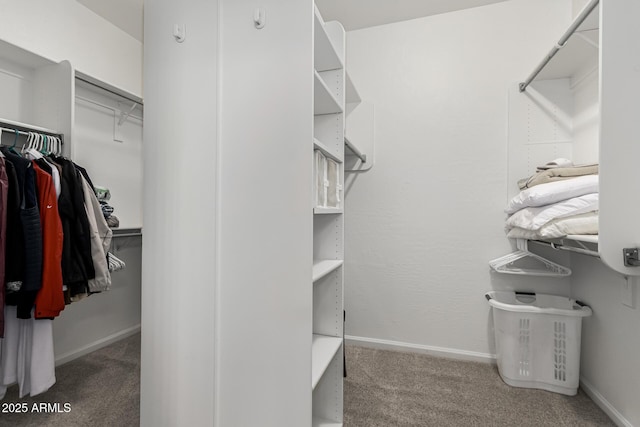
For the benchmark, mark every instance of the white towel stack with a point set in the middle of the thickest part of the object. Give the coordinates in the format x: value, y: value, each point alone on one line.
x: 555, y: 209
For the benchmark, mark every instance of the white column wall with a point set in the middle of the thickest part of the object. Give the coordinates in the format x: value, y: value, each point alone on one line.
x: 423, y: 223
x: 179, y: 253
x: 264, y: 311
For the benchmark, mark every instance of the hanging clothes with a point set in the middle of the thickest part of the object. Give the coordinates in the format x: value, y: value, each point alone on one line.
x: 25, y: 296
x: 4, y: 193
x: 50, y: 300
x: 77, y: 263
x: 14, y: 258
x: 101, y: 236
x: 26, y: 354
x: 53, y: 234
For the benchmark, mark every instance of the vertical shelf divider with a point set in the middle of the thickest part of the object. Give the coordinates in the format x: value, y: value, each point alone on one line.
x: 328, y: 228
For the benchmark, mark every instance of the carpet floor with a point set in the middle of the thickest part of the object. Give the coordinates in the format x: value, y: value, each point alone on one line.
x: 383, y: 389
x: 102, y: 389
x: 389, y: 388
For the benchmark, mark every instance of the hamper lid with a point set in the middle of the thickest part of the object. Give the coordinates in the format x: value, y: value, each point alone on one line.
x: 530, y: 302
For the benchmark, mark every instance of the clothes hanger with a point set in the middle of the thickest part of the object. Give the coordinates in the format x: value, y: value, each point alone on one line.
x: 55, y: 145
x: 36, y: 144
x: 12, y: 149
x: 523, y: 262
x: 27, y: 144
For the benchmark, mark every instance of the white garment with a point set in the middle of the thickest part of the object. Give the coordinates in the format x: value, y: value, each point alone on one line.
x: 55, y: 173
x: 26, y: 354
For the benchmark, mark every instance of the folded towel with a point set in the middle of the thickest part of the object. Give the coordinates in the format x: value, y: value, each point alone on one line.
x: 107, y: 210
x: 557, y: 174
x: 113, y: 221
x: 585, y: 223
x: 102, y: 193
x: 533, y: 218
x: 553, y: 192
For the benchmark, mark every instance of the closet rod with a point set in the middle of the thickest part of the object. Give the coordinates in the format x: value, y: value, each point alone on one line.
x: 355, y: 150
x: 113, y: 236
x: 126, y: 232
x: 565, y: 37
x: 568, y: 248
x: 121, y: 95
x: 24, y: 129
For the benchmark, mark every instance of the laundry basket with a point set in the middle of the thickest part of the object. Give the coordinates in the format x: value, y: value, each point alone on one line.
x: 538, y: 340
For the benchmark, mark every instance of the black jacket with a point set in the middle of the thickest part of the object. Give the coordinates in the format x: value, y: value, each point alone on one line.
x: 32, y: 233
x: 77, y: 264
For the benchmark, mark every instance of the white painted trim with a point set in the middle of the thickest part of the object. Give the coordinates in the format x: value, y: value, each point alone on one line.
x: 449, y: 353
x: 604, y: 404
x: 96, y: 345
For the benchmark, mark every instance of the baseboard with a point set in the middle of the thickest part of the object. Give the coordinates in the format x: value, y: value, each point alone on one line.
x: 449, y: 353
x: 96, y: 345
x: 604, y: 404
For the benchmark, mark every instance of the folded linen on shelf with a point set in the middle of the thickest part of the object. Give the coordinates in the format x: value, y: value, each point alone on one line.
x: 556, y: 174
x: 533, y: 218
x: 553, y: 192
x: 585, y: 223
x: 560, y: 162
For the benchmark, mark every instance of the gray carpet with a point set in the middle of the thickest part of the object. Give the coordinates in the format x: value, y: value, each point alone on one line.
x: 383, y: 388
x: 388, y: 388
x: 103, y: 389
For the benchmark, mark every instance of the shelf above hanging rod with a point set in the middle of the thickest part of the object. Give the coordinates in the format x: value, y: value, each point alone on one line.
x: 561, y: 43
x: 108, y: 88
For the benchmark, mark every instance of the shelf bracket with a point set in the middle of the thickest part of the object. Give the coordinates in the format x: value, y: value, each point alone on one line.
x: 124, y: 116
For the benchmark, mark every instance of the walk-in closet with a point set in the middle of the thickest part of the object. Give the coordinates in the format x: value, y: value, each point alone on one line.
x: 319, y: 213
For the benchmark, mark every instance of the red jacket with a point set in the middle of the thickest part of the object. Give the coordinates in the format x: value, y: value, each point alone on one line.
x: 50, y: 299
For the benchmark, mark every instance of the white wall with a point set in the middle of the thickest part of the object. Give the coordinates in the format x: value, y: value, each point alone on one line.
x: 101, y: 143
x: 423, y: 223
x: 94, y: 322
x: 610, y: 339
x: 65, y: 30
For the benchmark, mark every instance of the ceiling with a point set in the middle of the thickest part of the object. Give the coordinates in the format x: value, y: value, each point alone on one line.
x: 125, y: 14
x: 356, y: 14
x: 353, y: 14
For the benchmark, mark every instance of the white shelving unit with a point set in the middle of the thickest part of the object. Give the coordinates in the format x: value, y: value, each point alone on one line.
x: 325, y: 100
x: 328, y: 152
x: 36, y: 93
x: 328, y: 227
x: 323, y: 267
x: 582, y: 102
x: 323, y: 350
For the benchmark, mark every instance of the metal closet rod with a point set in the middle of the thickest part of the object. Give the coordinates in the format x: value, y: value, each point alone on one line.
x: 121, y: 95
x: 126, y: 232
x: 568, y: 248
x: 25, y: 130
x: 565, y: 37
x: 355, y: 151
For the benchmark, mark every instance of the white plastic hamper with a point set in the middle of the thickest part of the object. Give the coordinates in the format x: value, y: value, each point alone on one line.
x: 538, y: 340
